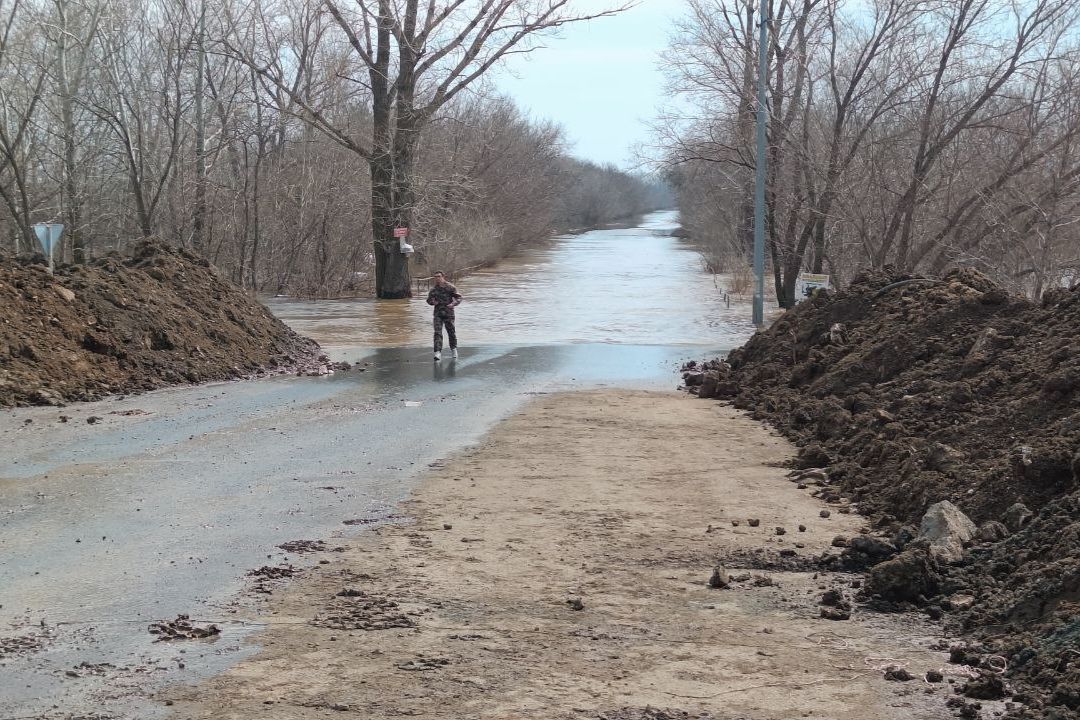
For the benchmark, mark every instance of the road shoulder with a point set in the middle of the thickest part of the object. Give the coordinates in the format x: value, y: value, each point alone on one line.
x: 560, y: 568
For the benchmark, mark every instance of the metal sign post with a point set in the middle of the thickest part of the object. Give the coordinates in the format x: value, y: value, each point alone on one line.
x: 759, y: 166
x: 48, y: 234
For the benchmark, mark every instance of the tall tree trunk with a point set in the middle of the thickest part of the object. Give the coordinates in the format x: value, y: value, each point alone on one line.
x: 67, y: 116
x: 747, y: 118
x: 198, y: 223
x: 390, y: 265
x: 397, y: 282
x: 253, y: 269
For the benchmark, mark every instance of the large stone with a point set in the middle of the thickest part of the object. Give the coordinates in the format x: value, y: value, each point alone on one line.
x: 992, y: 531
x: 64, y: 293
x: 947, y: 530
x: 873, y: 547
x: 720, y: 578
x: 981, y: 351
x: 1017, y: 516
x: 906, y: 577
x: 693, y: 378
x: 709, y: 384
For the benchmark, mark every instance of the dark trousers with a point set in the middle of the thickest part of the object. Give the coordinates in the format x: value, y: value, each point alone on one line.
x: 444, y: 317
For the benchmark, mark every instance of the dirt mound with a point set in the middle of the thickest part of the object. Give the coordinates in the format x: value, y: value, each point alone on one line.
x: 122, y: 325
x: 907, y: 392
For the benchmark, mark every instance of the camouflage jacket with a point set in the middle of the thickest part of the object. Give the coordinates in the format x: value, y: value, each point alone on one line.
x: 444, y: 297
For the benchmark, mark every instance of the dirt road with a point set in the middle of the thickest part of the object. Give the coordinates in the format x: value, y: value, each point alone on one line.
x: 559, y: 569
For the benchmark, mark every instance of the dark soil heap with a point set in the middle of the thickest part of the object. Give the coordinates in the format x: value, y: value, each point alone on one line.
x: 122, y: 325
x: 909, y: 392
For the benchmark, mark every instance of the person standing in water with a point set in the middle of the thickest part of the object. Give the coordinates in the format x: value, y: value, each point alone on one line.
x: 444, y: 297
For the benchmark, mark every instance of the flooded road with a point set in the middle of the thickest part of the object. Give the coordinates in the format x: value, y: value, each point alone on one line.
x: 163, y: 505
x: 638, y: 286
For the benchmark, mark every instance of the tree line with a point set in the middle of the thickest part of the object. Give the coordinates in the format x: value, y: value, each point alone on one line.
x: 914, y: 133
x: 286, y: 139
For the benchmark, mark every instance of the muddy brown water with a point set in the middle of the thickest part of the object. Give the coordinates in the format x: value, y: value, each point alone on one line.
x: 636, y: 286
x: 163, y: 506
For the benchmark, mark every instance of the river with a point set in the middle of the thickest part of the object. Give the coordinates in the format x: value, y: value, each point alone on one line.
x: 636, y: 286
x: 164, y: 505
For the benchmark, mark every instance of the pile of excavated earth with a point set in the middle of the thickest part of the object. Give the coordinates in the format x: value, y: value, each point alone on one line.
x: 948, y: 412
x: 127, y: 324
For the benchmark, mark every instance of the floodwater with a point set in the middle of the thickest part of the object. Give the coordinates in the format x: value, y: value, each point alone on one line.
x: 637, y: 286
x: 164, y: 505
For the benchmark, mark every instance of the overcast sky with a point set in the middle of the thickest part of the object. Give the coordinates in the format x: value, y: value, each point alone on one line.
x: 599, y: 79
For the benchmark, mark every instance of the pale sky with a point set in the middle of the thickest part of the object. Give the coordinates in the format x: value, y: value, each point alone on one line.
x: 599, y: 80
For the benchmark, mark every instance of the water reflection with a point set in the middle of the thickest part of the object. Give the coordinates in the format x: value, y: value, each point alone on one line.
x: 444, y: 370
x: 636, y: 286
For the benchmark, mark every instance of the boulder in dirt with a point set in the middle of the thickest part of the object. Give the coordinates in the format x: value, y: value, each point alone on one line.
x: 907, y: 576
x: 812, y: 456
x: 883, y: 416
x: 895, y: 673
x: 988, y: 686
x: 64, y: 293
x: 1017, y: 516
x: 720, y: 578
x: 981, y: 350
x: 46, y: 397
x: 832, y: 613
x: 835, y: 598
x: 902, y: 537
x: 872, y: 547
x: 947, y: 530
x: 962, y: 601
x: 992, y: 531
x: 709, y: 384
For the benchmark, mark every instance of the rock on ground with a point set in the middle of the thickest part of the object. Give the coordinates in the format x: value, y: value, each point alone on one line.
x: 947, y: 530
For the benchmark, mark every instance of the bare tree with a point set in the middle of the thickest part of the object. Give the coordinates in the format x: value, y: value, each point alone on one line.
x: 74, y: 32
x: 247, y: 135
x: 28, y: 69
x: 143, y: 101
x: 417, y: 59
x: 907, y: 132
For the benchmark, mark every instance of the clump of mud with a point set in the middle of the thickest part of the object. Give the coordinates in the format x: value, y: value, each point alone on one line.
x: 651, y: 713
x: 20, y: 644
x: 121, y: 325
x: 182, y: 628
x: 907, y: 392
x: 353, y: 609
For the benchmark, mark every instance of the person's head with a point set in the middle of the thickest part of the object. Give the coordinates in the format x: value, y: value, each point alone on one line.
x: 440, y: 279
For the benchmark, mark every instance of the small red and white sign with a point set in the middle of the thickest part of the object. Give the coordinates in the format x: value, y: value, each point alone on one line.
x: 402, y: 232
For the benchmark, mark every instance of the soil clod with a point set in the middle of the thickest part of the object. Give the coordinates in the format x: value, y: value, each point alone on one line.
x: 182, y: 628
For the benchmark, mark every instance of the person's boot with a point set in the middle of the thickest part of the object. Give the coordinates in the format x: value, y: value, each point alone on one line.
x: 453, y: 353
x: 438, y: 355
